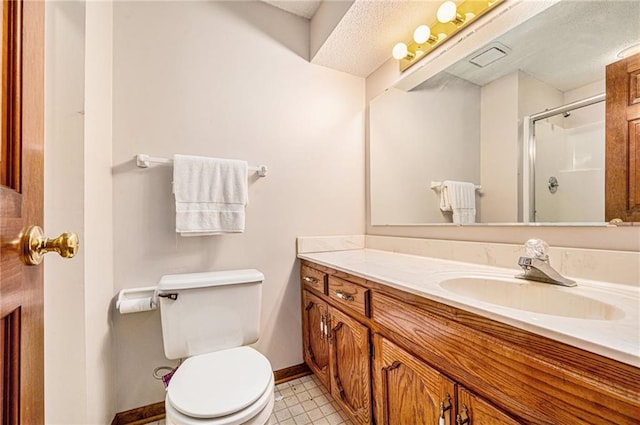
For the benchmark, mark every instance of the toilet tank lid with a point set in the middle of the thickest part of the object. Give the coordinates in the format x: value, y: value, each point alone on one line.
x: 201, y: 280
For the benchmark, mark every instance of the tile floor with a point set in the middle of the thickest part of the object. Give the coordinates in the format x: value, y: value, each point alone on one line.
x: 303, y: 401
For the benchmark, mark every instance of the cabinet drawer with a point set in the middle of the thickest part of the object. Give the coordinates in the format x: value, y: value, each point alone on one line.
x: 349, y: 295
x: 314, y: 279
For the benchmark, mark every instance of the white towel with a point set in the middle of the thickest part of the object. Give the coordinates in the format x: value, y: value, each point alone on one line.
x: 459, y: 197
x: 211, y: 195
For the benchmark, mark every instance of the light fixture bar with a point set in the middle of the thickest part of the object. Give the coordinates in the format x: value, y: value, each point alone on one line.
x: 457, y: 17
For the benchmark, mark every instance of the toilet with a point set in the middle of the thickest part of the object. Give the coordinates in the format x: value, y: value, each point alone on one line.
x: 208, y: 319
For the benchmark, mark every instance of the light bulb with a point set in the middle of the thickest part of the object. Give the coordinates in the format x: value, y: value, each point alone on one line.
x: 400, y: 51
x: 421, y: 34
x: 447, y: 12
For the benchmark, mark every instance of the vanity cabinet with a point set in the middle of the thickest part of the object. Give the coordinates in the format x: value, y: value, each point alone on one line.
x: 336, y: 346
x: 408, y: 391
x: 430, y: 361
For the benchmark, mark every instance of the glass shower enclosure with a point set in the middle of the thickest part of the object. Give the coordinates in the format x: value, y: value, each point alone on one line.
x: 564, y: 163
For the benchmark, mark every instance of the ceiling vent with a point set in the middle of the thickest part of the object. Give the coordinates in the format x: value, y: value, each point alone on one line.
x: 490, y: 54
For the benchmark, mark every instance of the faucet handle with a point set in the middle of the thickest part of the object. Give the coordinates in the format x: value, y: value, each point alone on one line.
x: 537, y: 248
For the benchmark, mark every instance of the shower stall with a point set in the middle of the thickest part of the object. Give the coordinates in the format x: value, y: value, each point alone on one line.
x: 564, y: 161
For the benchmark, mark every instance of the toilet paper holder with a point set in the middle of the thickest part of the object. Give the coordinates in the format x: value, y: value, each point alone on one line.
x: 135, y: 300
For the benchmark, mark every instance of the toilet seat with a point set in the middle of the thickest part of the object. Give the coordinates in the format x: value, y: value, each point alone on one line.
x: 253, y: 415
x: 224, y: 387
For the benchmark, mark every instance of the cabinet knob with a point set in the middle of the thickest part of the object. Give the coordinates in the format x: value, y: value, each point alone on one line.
x: 344, y: 296
x: 311, y: 280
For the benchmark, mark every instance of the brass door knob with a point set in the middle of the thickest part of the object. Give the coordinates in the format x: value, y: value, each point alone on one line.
x: 33, y: 245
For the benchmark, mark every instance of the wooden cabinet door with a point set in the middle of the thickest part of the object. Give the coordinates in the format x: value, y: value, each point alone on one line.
x: 622, y: 168
x: 407, y: 390
x: 315, y: 336
x: 350, y: 366
x: 479, y: 411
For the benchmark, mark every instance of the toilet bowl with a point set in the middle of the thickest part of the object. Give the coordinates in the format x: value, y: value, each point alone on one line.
x: 229, y: 387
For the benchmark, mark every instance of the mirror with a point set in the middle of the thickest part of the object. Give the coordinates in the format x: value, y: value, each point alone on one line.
x: 468, y: 124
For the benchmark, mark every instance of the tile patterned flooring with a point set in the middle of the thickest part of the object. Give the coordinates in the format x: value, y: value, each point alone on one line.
x: 305, y: 401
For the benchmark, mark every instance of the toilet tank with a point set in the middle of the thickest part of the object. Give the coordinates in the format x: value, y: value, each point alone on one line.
x: 207, y: 312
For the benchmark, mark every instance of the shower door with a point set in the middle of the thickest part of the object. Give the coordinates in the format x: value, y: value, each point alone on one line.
x: 568, y: 163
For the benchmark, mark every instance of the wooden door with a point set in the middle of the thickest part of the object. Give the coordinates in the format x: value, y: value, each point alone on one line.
x: 350, y: 366
x: 21, y: 197
x: 622, y: 172
x: 407, y: 390
x: 478, y: 411
x: 315, y: 336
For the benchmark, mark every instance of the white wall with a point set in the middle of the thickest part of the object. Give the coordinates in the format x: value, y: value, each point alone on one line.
x: 98, y: 240
x: 430, y: 133
x: 78, y: 357
x: 223, y: 79
x: 499, y: 152
x: 65, y: 354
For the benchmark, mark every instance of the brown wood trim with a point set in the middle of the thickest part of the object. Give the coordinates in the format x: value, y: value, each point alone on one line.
x: 155, y: 412
x: 11, y: 108
x: 140, y: 415
x: 290, y: 373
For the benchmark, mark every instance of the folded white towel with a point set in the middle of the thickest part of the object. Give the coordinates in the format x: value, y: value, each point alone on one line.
x: 211, y: 195
x: 459, y: 197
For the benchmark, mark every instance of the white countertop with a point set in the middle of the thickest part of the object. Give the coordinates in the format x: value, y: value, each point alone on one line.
x: 617, y: 339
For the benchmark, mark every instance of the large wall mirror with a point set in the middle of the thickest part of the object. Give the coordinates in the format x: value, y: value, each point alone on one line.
x: 469, y: 124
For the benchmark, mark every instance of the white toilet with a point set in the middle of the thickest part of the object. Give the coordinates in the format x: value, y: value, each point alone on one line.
x: 209, y: 318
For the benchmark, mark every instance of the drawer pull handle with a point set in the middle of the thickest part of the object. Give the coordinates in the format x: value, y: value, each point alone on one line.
x: 344, y: 296
x: 311, y: 280
x: 466, y: 420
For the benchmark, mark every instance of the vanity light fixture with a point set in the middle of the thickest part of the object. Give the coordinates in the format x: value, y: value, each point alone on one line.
x: 450, y: 19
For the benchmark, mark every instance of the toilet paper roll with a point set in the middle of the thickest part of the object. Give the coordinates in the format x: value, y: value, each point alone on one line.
x: 135, y: 305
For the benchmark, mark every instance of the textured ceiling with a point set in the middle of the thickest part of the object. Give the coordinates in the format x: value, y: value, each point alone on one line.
x: 362, y: 41
x: 558, y: 47
x: 303, y: 8
x: 565, y: 46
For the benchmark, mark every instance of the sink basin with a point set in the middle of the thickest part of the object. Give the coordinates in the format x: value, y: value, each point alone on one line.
x: 533, y: 297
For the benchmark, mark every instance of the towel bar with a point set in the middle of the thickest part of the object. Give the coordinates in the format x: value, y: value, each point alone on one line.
x: 438, y: 185
x: 143, y: 160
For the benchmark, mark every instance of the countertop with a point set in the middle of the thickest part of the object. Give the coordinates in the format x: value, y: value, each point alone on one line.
x: 617, y: 339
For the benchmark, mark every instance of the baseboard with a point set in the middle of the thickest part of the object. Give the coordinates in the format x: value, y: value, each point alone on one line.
x: 140, y: 415
x: 291, y: 373
x: 155, y: 412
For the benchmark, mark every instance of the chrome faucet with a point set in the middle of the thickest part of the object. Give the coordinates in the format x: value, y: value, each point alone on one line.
x: 536, y: 265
